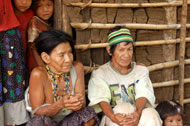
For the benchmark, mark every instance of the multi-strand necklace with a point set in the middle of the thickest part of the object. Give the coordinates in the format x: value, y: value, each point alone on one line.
x: 55, y: 86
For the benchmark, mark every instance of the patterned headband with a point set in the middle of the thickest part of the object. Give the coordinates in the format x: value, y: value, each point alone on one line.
x: 121, y: 35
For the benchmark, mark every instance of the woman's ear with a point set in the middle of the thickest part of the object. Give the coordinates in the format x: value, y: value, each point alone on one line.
x: 108, y: 50
x: 45, y: 57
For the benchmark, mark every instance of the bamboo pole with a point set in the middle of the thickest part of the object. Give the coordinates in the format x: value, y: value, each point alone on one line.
x: 137, y: 43
x: 127, y: 5
x: 166, y: 65
x: 151, y: 68
x: 130, y: 26
x: 57, y: 14
x: 169, y: 83
x: 185, y: 101
x: 182, y: 51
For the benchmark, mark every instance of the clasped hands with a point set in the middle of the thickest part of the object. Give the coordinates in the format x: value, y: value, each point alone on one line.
x: 126, y: 120
x: 73, y: 102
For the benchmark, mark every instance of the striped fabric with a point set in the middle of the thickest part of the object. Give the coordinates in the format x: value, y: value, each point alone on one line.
x: 121, y: 35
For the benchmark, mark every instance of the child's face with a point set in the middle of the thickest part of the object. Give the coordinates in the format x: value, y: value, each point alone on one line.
x: 45, y: 9
x: 22, y: 5
x: 175, y: 120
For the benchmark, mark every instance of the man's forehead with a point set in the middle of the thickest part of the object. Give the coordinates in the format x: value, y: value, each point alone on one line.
x: 124, y: 45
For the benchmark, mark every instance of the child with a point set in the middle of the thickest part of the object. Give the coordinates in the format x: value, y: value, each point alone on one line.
x: 24, y: 14
x: 170, y: 113
x: 12, y: 105
x: 41, y: 22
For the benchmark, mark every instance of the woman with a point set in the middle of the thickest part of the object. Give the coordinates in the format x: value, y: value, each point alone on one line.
x: 12, y: 68
x: 58, y: 90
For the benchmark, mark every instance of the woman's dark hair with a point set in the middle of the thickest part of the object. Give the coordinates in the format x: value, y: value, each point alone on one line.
x: 48, y: 40
x: 169, y: 108
x: 35, y: 6
x: 112, y: 48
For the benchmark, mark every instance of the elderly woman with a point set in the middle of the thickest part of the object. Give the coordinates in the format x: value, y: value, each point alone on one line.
x: 57, y: 91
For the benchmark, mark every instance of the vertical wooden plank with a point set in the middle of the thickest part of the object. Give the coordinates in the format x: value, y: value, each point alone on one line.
x: 182, y: 50
x: 57, y: 14
x: 65, y: 20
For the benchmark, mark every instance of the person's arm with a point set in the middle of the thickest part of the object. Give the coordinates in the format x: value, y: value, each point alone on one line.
x: 80, y: 86
x: 37, y: 95
x: 37, y: 57
x: 33, y: 33
x: 140, y: 104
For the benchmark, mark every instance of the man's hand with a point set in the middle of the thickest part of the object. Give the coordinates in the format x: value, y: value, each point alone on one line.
x: 131, y: 120
x: 117, y: 118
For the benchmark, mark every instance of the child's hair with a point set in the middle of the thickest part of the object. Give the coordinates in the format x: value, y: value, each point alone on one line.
x: 48, y: 40
x: 169, y: 108
x: 35, y: 7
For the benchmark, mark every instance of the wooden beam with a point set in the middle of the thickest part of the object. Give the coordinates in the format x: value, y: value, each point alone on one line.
x: 127, y: 5
x: 185, y: 101
x: 130, y: 26
x: 57, y: 14
x: 182, y: 51
x: 151, y: 68
x: 169, y: 83
x: 137, y: 43
x: 66, y: 27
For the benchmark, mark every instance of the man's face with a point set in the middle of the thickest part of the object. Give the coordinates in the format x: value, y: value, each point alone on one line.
x: 122, y: 55
x: 175, y: 120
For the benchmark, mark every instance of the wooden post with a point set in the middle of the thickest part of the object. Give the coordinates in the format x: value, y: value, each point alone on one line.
x: 182, y: 51
x: 57, y: 14
x: 66, y: 27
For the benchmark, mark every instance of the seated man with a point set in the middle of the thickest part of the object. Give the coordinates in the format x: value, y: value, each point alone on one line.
x: 58, y: 90
x: 120, y: 83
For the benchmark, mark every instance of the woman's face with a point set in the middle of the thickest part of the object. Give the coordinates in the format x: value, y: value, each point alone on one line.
x: 175, y: 120
x: 45, y: 9
x: 22, y: 5
x: 61, y: 58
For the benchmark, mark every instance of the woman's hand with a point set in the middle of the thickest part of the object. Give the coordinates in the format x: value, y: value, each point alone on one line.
x: 72, y: 102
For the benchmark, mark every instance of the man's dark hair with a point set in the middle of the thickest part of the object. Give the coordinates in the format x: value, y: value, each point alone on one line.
x: 112, y: 48
x: 48, y: 40
x: 169, y: 108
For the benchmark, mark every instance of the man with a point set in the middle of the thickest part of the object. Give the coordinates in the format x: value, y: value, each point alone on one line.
x: 123, y: 84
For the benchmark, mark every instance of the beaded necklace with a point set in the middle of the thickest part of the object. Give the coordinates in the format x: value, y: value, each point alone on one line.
x: 55, y: 87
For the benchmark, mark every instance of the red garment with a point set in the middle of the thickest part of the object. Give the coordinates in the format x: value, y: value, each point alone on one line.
x: 24, y: 20
x: 8, y: 19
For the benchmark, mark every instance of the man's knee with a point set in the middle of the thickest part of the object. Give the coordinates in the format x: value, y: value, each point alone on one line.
x: 124, y: 108
x: 150, y: 117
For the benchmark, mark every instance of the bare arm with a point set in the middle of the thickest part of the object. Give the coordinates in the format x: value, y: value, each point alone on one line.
x: 140, y: 104
x: 37, y: 95
x: 80, y: 86
x: 37, y: 57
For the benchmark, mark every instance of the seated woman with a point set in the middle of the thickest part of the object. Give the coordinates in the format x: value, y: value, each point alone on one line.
x: 57, y: 91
